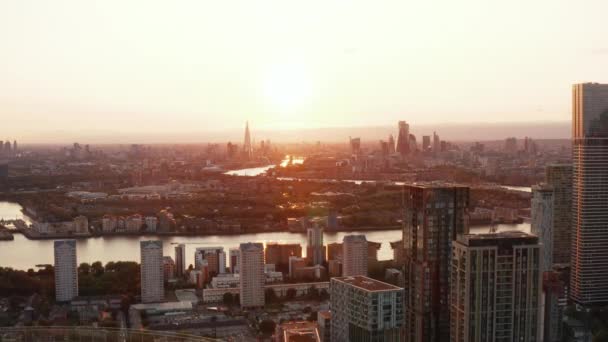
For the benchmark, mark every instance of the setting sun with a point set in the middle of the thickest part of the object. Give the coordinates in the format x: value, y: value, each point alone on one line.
x: 287, y: 86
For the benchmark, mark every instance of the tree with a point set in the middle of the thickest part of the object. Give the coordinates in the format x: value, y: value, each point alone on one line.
x: 291, y: 293
x: 97, y: 268
x: 323, y: 294
x: 228, y: 298
x: 84, y: 268
x: 312, y: 317
x: 267, y: 327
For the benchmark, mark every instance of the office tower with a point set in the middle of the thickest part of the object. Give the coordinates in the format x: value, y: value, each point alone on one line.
x: 235, y: 259
x: 354, y: 255
x: 315, y: 251
x: 355, y: 145
x: 252, y: 275
x: 403, y: 139
x: 391, y: 144
x: 364, y: 309
x: 14, y: 145
x: 436, y: 143
x: 247, y: 147
x: 215, y: 256
x: 559, y: 177
x: 7, y: 147
x: 589, y: 264
x: 496, y: 288
x: 434, y: 215
x: 412, y: 143
x: 279, y: 254
x: 180, y: 259
x: 66, y: 270
x: 384, y: 149
x: 426, y: 143
x: 542, y: 221
x: 151, y: 254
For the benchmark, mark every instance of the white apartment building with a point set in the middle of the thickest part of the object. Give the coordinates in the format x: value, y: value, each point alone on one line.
x: 66, y: 270
x: 152, y: 287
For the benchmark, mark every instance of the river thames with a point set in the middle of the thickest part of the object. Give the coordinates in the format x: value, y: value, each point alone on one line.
x: 22, y: 253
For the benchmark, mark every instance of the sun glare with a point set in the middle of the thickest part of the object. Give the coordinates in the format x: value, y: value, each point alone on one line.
x: 287, y: 86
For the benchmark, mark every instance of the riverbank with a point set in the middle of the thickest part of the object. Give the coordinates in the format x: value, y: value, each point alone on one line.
x: 34, y: 235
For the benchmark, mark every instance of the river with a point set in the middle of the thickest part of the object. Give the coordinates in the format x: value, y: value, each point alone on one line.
x: 23, y: 253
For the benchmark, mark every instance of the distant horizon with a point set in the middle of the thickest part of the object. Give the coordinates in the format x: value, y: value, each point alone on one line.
x: 456, y: 132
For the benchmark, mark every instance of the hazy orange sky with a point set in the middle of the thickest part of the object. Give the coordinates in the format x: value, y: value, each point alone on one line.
x: 158, y: 66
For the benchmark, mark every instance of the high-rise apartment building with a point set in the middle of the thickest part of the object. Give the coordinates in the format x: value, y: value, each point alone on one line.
x: 542, y: 221
x: 589, y: 263
x: 252, y: 275
x: 364, y: 309
x: 234, y: 256
x: 403, y: 139
x: 180, y: 259
x: 315, y: 251
x: 66, y: 270
x: 279, y: 254
x: 354, y: 255
x: 559, y: 177
x: 215, y: 256
x: 152, y: 287
x: 434, y: 215
x: 496, y: 282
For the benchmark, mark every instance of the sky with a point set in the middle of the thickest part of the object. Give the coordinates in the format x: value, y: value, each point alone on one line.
x: 145, y: 67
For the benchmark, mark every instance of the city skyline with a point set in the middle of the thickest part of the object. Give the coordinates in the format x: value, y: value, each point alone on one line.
x: 291, y: 69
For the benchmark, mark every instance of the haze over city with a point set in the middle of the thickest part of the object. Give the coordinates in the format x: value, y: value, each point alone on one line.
x: 138, y: 68
x: 319, y: 171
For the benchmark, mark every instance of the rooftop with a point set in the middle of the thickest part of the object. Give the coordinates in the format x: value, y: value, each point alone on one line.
x: 511, y: 237
x: 367, y: 284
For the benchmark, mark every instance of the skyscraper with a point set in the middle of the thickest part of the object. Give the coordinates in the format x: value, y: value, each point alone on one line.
x: 247, y: 148
x: 559, y: 177
x: 391, y: 144
x: 403, y: 139
x: 151, y: 255
x: 66, y: 270
x: 315, y: 251
x: 434, y: 215
x: 354, y: 255
x: 589, y: 264
x: 364, y: 309
x: 426, y: 143
x: 542, y: 221
x: 180, y: 260
x: 252, y: 275
x: 496, y: 284
x: 436, y: 143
